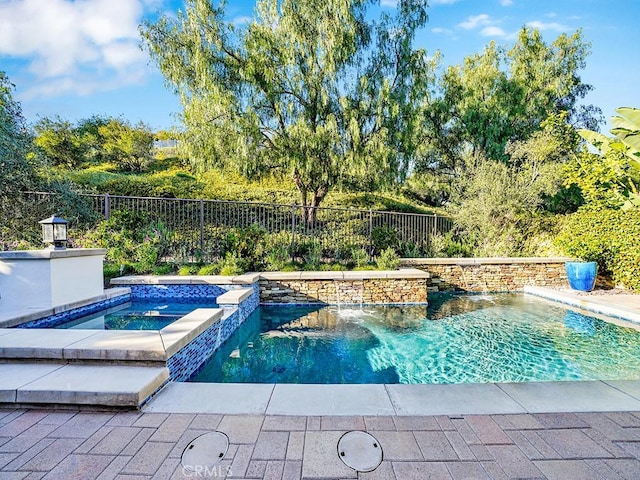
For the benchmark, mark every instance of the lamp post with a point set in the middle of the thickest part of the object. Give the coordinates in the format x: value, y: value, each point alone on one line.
x: 54, y: 232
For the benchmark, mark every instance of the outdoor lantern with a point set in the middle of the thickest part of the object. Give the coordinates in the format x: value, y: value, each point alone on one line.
x: 54, y: 232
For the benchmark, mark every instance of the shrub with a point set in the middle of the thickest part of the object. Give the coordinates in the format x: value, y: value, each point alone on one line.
x: 166, y: 269
x: 188, y: 270
x: 110, y: 271
x: 384, y: 238
x: 230, y: 265
x: 130, y: 239
x: 313, y: 255
x: 276, y: 251
x: 245, y: 245
x: 360, y: 257
x: 212, y: 269
x: 388, y: 259
x: 608, y: 236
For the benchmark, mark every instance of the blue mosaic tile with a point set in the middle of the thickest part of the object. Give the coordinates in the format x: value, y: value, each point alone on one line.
x: 182, y: 291
x: 191, y: 358
x: 59, y: 318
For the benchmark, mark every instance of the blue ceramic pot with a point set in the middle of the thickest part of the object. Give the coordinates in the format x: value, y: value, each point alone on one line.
x: 581, y: 275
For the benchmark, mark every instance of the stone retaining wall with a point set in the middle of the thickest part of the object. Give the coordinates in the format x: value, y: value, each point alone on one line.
x: 405, y: 286
x: 491, y: 274
x: 410, y: 285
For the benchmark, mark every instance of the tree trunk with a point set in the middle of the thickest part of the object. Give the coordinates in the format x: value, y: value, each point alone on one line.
x: 311, y: 211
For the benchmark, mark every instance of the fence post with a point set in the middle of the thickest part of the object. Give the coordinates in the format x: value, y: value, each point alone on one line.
x: 202, y: 227
x: 293, y: 230
x: 370, y: 233
x: 107, y: 207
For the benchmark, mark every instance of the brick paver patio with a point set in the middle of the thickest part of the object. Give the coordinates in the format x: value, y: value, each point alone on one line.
x: 58, y: 444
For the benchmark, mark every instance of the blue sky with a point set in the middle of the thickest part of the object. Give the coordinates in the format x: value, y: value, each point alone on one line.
x: 77, y: 58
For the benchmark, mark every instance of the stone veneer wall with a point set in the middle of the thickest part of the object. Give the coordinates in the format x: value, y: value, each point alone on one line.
x: 491, y: 274
x: 352, y: 288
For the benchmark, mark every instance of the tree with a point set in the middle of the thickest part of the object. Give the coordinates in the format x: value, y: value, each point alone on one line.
x: 313, y: 89
x: 501, y: 96
x: 95, y: 139
x: 501, y: 207
x: 131, y: 148
x: 611, y: 178
x: 16, y: 173
x: 60, y: 142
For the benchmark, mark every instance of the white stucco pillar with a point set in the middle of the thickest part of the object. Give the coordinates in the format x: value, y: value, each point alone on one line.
x: 34, y: 279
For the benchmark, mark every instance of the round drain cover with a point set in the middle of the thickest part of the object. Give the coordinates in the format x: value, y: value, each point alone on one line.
x: 360, y: 451
x: 205, y: 451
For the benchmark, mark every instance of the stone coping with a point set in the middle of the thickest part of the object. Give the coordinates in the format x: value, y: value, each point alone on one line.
x: 13, y: 318
x: 397, y: 399
x: 234, y: 297
x: 403, y: 273
x: 110, y: 345
x: 51, y: 384
x: 50, y: 253
x: 484, y: 260
x: 622, y: 306
x: 246, y: 279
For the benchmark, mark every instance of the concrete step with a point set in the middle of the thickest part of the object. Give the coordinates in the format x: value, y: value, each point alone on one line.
x: 64, y: 384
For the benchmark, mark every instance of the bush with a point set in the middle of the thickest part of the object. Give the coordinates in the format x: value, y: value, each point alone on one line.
x: 360, y: 257
x: 245, y: 245
x: 313, y: 255
x: 189, y: 269
x: 165, y: 269
x: 500, y: 208
x: 608, y: 236
x: 130, y: 239
x: 276, y: 251
x: 388, y: 260
x: 384, y: 238
x: 212, y: 269
x: 230, y: 265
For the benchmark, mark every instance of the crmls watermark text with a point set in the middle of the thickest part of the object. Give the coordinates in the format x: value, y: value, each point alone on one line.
x: 203, y: 471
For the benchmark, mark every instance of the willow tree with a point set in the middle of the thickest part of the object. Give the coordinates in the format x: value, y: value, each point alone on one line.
x: 316, y: 90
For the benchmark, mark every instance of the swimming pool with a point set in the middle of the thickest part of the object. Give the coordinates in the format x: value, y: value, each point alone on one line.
x: 148, y: 314
x: 456, y: 339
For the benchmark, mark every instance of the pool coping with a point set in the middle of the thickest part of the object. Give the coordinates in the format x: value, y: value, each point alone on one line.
x: 396, y: 399
x: 37, y: 344
x: 624, y: 309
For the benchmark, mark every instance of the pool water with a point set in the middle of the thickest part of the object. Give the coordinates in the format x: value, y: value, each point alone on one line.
x: 456, y: 339
x: 138, y: 315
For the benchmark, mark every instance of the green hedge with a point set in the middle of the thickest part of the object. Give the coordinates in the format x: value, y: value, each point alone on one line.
x: 608, y: 236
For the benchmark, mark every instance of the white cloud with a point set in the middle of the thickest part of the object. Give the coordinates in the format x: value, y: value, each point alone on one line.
x: 476, y: 21
x: 506, y: 3
x: 242, y: 20
x: 394, y: 3
x: 63, y: 41
x: 557, y: 27
x: 493, y: 31
x: 439, y: 30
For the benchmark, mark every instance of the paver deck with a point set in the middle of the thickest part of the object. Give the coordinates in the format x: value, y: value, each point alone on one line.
x: 49, y: 444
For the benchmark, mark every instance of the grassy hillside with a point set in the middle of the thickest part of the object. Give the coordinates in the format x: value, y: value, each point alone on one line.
x: 171, y: 178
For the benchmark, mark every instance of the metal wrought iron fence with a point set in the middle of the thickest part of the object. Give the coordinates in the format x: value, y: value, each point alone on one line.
x: 193, y: 228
